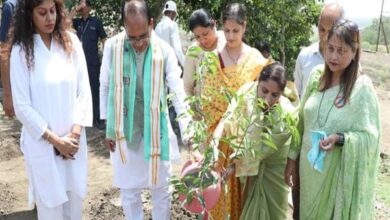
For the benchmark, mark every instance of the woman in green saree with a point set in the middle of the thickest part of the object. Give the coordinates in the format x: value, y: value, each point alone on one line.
x: 262, y: 172
x: 341, y: 103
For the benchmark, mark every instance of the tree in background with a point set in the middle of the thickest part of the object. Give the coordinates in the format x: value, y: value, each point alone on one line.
x: 370, y: 33
x: 285, y: 24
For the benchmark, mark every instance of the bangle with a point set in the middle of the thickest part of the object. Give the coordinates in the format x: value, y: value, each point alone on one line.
x: 341, y: 140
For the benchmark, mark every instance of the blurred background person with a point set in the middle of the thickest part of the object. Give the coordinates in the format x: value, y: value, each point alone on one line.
x: 90, y: 31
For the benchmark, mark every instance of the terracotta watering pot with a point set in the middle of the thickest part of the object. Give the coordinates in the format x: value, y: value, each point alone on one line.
x: 210, y: 194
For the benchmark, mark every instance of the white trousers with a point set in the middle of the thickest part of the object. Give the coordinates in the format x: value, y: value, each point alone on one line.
x: 132, y: 203
x: 70, y: 210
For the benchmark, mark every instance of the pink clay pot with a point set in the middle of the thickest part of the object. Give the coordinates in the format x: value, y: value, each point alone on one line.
x: 210, y: 194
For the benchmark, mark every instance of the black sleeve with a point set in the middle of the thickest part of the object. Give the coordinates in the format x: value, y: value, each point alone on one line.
x: 101, y: 32
x: 6, y: 16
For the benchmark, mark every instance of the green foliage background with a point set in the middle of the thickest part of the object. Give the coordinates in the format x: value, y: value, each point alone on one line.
x: 286, y: 24
x: 370, y: 33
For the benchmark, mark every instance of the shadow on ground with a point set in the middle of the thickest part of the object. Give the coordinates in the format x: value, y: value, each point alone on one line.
x: 26, y: 214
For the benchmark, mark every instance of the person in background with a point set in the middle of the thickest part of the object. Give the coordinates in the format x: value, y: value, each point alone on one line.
x: 137, y: 68
x: 309, y: 58
x: 6, y: 17
x: 312, y: 56
x: 90, y: 31
x: 340, y: 127
x: 264, y: 49
x: 168, y: 30
x: 52, y: 100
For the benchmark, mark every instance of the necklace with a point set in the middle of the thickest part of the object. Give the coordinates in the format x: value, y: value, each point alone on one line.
x: 321, y: 123
x: 235, y: 60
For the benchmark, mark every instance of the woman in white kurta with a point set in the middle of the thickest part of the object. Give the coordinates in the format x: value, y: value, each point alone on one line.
x: 52, y: 100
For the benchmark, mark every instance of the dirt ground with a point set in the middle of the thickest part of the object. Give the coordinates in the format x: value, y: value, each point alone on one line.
x: 102, y: 201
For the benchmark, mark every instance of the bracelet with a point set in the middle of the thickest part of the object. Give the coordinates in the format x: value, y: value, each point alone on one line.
x: 341, y: 140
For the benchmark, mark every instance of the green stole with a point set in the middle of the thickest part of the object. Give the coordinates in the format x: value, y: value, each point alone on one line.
x: 121, y: 99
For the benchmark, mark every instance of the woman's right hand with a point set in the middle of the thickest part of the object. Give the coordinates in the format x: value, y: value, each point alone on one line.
x: 67, y: 146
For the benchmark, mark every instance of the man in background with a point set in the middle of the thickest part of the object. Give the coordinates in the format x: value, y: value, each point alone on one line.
x: 90, y: 30
x: 168, y: 30
x: 312, y: 56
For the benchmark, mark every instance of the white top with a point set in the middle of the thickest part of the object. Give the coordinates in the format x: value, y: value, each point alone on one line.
x: 168, y: 30
x: 308, y: 58
x: 135, y: 173
x: 54, y: 94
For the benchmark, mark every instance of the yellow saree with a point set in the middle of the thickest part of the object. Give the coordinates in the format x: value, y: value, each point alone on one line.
x: 215, y: 81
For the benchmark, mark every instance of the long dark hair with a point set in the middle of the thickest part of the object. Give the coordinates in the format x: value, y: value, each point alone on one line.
x: 23, y: 29
x: 348, y: 32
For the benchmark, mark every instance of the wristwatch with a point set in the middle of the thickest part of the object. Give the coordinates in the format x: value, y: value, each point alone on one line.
x: 341, y: 140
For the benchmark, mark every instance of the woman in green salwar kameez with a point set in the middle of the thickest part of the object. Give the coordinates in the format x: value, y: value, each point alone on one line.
x: 341, y: 102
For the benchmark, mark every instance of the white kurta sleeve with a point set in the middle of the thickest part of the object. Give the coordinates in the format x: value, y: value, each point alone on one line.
x: 32, y: 121
x: 176, y: 43
x: 298, y: 76
x: 105, y: 78
x: 176, y: 86
x: 83, y: 113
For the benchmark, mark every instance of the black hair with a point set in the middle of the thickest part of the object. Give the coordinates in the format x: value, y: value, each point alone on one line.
x: 137, y: 7
x: 235, y: 11
x: 22, y: 30
x: 275, y: 72
x: 263, y: 46
x: 87, y: 3
x: 200, y: 17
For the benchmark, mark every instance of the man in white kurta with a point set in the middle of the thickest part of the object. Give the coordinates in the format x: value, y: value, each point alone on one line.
x: 168, y: 30
x: 53, y: 95
x: 132, y: 170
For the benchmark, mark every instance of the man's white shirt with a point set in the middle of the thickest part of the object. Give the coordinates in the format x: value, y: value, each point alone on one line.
x: 308, y: 58
x: 168, y: 30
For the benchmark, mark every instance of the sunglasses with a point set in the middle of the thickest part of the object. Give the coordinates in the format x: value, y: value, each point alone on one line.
x: 350, y: 25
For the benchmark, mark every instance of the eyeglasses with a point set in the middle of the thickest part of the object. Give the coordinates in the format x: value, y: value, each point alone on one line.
x: 141, y: 38
x: 350, y: 25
